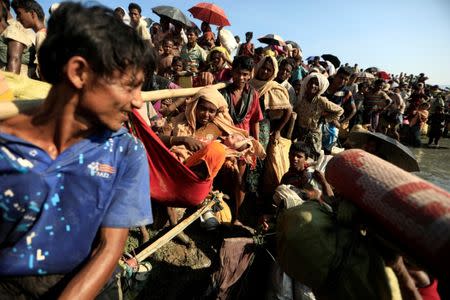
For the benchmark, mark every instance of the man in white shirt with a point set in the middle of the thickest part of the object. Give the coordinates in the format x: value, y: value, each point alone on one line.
x: 138, y: 23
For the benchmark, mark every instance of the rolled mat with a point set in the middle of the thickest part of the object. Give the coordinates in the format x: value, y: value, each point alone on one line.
x: 413, y: 212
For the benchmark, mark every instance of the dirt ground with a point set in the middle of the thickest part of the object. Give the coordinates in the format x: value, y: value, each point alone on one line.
x: 180, y: 271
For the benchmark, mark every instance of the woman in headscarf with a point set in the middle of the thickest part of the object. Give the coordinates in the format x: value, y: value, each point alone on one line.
x: 219, y: 62
x: 274, y: 100
x: 205, y: 120
x: 310, y: 107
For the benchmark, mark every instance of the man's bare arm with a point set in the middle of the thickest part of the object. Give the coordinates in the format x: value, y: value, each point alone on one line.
x: 15, y: 51
x: 93, y: 276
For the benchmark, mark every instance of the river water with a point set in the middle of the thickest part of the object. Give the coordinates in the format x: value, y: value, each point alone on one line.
x: 435, y: 163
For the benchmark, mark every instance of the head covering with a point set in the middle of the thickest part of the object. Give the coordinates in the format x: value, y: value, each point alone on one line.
x: 269, y: 52
x: 323, y: 84
x: 275, y: 95
x: 220, y: 49
x: 223, y: 120
x: 185, y: 125
x: 208, y: 35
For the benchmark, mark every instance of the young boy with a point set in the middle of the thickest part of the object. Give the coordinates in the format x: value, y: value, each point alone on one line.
x: 300, y: 177
x: 73, y: 179
x: 245, y: 110
x: 166, y: 58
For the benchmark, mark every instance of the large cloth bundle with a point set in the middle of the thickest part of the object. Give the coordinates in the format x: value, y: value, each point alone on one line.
x: 336, y: 262
x: 276, y: 164
x: 412, y: 212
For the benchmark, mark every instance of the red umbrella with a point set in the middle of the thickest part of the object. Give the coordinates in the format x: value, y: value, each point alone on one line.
x: 384, y: 75
x: 210, y: 13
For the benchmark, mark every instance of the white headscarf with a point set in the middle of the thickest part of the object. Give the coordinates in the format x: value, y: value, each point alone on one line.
x: 323, y: 84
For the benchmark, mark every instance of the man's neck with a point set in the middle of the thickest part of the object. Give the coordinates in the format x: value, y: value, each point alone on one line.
x: 38, y: 26
x: 60, y: 123
x: 238, y: 88
x: 191, y: 45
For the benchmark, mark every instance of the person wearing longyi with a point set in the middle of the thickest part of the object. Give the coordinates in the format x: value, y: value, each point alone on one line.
x: 73, y: 179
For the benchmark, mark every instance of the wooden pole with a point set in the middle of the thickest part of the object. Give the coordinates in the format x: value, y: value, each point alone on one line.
x: 176, y: 93
x: 173, y: 232
x: 10, y: 109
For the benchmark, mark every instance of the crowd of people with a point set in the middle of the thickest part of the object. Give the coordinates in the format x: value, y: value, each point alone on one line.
x: 278, y: 114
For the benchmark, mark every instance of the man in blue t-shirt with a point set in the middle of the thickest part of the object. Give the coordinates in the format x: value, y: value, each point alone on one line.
x: 72, y: 179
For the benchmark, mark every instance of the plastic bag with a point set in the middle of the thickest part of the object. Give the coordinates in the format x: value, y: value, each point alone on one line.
x: 227, y: 40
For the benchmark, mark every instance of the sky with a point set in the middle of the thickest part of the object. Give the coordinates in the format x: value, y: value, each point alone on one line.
x: 411, y: 36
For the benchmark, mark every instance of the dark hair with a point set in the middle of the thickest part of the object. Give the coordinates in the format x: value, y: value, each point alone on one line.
x: 249, y: 33
x: 345, y: 71
x: 363, y: 85
x: 136, y: 6
x: 192, y: 30
x: 31, y: 6
x: 243, y: 63
x: 300, y: 147
x: 259, y: 50
x: 287, y: 61
x: 176, y: 59
x: 167, y: 39
x: 378, y: 82
x: 96, y: 35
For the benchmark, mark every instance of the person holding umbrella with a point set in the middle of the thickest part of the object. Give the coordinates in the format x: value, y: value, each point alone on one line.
x: 208, y: 38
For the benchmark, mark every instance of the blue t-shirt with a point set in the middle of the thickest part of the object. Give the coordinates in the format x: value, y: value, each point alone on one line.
x: 51, y: 210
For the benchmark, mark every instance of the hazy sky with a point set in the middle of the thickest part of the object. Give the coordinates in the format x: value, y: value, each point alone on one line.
x: 412, y: 36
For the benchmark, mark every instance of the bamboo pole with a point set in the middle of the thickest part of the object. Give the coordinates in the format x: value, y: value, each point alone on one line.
x: 10, y: 109
x: 173, y: 232
x: 176, y: 93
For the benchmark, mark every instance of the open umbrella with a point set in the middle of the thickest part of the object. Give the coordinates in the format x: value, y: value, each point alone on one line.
x: 384, y: 75
x: 387, y: 148
x: 311, y: 58
x: 365, y: 77
x: 210, y: 13
x: 294, y: 44
x: 332, y: 59
x: 171, y: 13
x: 272, y: 39
x: 372, y: 70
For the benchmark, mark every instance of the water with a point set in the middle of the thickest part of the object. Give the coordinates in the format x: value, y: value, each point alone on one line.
x: 435, y: 163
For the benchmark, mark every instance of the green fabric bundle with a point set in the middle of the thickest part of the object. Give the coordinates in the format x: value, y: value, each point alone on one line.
x: 336, y: 262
